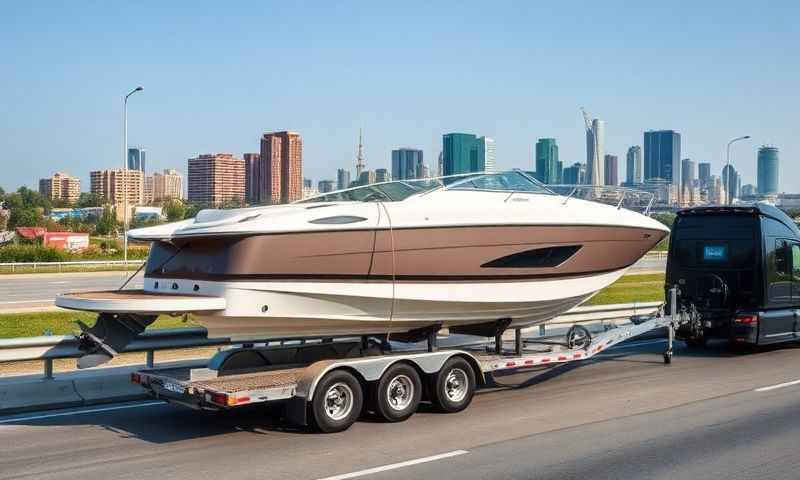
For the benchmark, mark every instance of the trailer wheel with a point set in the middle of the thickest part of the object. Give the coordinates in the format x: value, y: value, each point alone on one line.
x: 337, y: 402
x: 454, y: 386
x: 398, y: 393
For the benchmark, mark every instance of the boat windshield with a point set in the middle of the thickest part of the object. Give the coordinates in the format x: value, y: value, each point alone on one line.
x: 398, y: 190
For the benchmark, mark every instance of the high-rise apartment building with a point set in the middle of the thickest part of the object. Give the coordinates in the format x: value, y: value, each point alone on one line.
x: 466, y: 153
x: 595, y: 152
x: 367, y: 177
x: 547, y: 163
x: 731, y: 182
x: 688, y: 173
x: 325, y: 186
x: 215, y: 179
x: 633, y: 166
x: 407, y: 164
x: 662, y: 156
x: 280, y: 168
x: 60, y: 187
x: 167, y: 184
x: 575, y: 175
x: 147, y: 191
x: 342, y: 179
x: 382, y: 175
x: 703, y: 174
x: 767, y: 174
x: 611, y: 170
x: 251, y: 161
x: 113, y: 185
x: 137, y: 159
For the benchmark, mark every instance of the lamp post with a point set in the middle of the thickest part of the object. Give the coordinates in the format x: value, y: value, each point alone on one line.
x: 726, y: 179
x: 125, y: 174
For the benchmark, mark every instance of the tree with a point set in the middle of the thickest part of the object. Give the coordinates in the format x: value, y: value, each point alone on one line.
x: 193, y: 209
x: 174, y: 210
x: 107, y: 223
x: 667, y: 218
x: 86, y: 200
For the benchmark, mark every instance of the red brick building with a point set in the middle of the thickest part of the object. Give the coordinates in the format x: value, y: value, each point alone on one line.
x: 278, y: 177
x: 215, y: 179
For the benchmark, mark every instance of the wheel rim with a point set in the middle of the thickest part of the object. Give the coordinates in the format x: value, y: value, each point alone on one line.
x: 456, y: 385
x: 400, y: 392
x: 338, y: 401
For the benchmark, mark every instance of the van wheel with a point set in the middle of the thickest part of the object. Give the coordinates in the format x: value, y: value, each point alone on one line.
x: 453, y: 387
x: 337, y: 402
x: 398, y: 393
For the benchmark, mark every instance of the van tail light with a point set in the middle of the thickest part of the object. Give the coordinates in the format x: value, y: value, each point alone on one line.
x: 746, y: 319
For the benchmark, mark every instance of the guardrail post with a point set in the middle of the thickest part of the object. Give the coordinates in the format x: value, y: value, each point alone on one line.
x: 151, y: 358
x: 48, y: 368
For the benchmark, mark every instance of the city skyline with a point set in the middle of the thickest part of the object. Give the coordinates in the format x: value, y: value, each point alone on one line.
x: 193, y: 105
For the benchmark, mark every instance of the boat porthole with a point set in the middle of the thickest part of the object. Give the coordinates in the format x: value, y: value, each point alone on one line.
x: 264, y: 309
x: 196, y: 287
x: 155, y: 285
x: 174, y: 286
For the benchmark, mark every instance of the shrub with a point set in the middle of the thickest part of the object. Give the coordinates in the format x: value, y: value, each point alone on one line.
x: 32, y: 253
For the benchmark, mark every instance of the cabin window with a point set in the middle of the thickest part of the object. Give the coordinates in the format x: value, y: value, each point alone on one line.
x: 796, y: 262
x: 781, y: 257
x: 538, y: 258
x: 780, y: 280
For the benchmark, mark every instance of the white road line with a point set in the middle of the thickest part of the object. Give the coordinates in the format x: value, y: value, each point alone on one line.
x: 395, y: 466
x: 775, y: 387
x: 27, y: 301
x: 79, y: 412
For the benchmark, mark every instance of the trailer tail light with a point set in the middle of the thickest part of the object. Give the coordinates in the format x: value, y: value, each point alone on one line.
x: 746, y: 319
x: 220, y: 399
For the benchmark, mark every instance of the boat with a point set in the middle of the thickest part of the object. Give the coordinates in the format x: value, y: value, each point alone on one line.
x: 476, y: 253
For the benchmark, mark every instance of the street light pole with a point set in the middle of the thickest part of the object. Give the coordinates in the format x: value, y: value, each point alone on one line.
x: 726, y: 179
x: 125, y: 174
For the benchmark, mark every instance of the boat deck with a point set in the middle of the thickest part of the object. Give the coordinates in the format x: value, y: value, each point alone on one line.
x: 138, y: 301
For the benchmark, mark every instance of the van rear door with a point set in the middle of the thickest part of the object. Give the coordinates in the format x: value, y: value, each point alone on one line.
x: 796, y: 286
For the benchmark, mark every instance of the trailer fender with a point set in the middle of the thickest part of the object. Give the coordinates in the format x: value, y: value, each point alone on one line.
x: 371, y: 369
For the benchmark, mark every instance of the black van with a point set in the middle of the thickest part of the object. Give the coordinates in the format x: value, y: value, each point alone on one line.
x: 740, y: 267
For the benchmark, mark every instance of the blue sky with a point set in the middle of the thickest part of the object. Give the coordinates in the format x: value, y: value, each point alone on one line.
x: 218, y: 74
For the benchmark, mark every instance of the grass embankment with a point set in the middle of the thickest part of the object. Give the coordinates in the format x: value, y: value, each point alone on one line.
x: 632, y: 288
x: 14, y: 325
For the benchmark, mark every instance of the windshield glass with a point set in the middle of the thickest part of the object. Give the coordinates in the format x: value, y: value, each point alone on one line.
x: 398, y: 190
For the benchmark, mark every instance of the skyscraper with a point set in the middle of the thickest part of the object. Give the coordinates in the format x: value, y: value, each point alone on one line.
x: 662, y: 156
x: 611, y: 170
x: 633, y: 166
x: 360, y: 164
x: 215, y: 179
x: 137, y: 159
x: 768, y: 170
x: 280, y: 168
x: 547, y: 164
x: 704, y: 173
x: 251, y: 176
x: 731, y: 182
x: 342, y: 179
x: 382, y: 175
x: 688, y: 173
x: 575, y: 175
x: 595, y: 150
x: 407, y: 164
x: 325, y: 186
x: 465, y: 153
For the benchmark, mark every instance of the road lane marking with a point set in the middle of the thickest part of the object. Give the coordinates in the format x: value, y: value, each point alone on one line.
x: 395, y: 466
x: 79, y: 412
x: 775, y: 387
x: 27, y: 301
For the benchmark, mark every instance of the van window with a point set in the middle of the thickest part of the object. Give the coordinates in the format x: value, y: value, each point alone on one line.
x: 796, y: 262
x: 779, y: 279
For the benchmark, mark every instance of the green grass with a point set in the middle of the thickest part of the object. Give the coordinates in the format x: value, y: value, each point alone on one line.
x: 15, y: 325
x: 632, y: 288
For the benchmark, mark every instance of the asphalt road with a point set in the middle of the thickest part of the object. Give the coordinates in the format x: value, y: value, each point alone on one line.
x: 37, y: 290
x: 21, y: 291
x: 623, y: 415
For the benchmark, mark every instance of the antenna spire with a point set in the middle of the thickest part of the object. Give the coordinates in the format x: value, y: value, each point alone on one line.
x: 360, y: 156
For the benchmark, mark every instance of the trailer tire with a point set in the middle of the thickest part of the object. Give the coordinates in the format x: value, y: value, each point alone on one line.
x: 337, y: 402
x: 398, y: 393
x: 453, y: 387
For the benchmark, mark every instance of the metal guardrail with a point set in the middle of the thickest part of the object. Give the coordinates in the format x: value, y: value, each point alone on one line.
x: 13, y: 266
x: 50, y: 348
